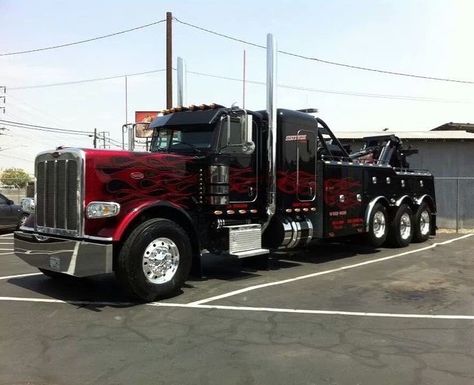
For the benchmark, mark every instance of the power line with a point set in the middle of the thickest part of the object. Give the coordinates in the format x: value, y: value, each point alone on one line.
x: 31, y: 109
x: 85, y: 80
x: 351, y: 66
x: 16, y: 157
x: 345, y: 93
x: 82, y: 41
x: 38, y: 126
x: 44, y: 128
x: 115, y: 142
x: 308, y: 89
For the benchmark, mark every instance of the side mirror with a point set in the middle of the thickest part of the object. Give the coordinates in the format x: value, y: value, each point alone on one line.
x: 10, y: 202
x: 238, y: 134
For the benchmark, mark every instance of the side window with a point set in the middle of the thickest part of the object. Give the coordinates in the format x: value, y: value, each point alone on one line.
x: 162, y: 140
x: 3, y: 200
x: 176, y: 137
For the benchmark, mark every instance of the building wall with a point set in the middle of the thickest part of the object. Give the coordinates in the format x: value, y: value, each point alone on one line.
x: 444, y: 159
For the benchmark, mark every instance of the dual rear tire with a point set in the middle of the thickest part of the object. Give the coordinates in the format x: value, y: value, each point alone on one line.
x: 400, y: 231
x: 403, y: 227
x: 422, y: 229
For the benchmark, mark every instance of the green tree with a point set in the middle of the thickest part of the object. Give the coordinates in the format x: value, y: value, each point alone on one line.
x: 15, y: 177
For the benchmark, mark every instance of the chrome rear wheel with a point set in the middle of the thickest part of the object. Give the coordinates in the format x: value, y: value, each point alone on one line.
x: 405, y: 226
x: 424, y: 222
x: 379, y: 224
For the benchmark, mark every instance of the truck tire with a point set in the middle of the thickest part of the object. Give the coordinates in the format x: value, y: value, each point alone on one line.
x: 155, y: 260
x: 400, y: 231
x: 422, y: 223
x: 378, y: 228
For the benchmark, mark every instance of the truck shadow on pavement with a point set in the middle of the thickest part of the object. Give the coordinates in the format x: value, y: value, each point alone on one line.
x: 92, y: 293
x: 95, y: 293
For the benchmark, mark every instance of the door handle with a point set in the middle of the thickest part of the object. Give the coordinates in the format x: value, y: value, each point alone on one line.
x: 250, y: 191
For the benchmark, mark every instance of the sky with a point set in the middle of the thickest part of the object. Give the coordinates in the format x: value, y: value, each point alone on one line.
x: 430, y: 37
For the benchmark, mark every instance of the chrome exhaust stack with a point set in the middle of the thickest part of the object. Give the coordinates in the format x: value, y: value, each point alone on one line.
x: 272, y: 125
x: 181, y: 72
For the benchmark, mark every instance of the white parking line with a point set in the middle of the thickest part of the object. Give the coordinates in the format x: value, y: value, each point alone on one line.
x: 246, y: 308
x: 19, y: 276
x: 317, y: 312
x: 6, y: 235
x: 282, y: 282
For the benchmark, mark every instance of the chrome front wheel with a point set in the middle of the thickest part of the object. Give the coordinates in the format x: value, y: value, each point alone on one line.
x: 155, y: 260
x: 160, y: 260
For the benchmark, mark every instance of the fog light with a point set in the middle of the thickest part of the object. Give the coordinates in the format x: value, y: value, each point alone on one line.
x: 102, y: 209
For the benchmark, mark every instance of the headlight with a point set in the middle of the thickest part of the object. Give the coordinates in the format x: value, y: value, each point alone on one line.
x: 102, y: 209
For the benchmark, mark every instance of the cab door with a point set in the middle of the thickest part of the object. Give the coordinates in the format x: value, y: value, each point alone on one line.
x: 305, y: 165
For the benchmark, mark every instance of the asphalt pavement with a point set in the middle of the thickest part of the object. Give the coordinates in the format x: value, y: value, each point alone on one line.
x: 333, y: 314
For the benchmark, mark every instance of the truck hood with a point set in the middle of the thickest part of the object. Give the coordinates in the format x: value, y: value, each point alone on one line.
x: 133, y: 177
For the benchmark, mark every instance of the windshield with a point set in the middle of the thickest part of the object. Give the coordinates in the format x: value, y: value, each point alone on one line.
x: 182, y: 139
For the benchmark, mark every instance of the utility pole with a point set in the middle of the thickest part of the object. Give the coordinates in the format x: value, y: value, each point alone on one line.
x: 169, y: 60
x: 95, y: 137
x: 104, y: 137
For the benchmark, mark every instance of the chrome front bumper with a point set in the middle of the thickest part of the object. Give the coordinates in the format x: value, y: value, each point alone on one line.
x: 69, y: 256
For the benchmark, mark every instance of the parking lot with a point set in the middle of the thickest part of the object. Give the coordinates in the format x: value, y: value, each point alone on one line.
x: 335, y: 314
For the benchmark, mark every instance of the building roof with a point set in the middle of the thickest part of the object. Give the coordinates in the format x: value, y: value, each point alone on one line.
x: 413, y: 135
x: 455, y: 127
x: 447, y: 131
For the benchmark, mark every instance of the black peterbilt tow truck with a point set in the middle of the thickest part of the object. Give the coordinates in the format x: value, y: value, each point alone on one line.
x: 226, y: 181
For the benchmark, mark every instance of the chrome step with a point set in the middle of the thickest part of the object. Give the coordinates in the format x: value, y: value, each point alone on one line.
x: 250, y: 253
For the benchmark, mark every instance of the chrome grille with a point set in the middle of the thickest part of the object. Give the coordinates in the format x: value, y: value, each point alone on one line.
x: 59, y: 193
